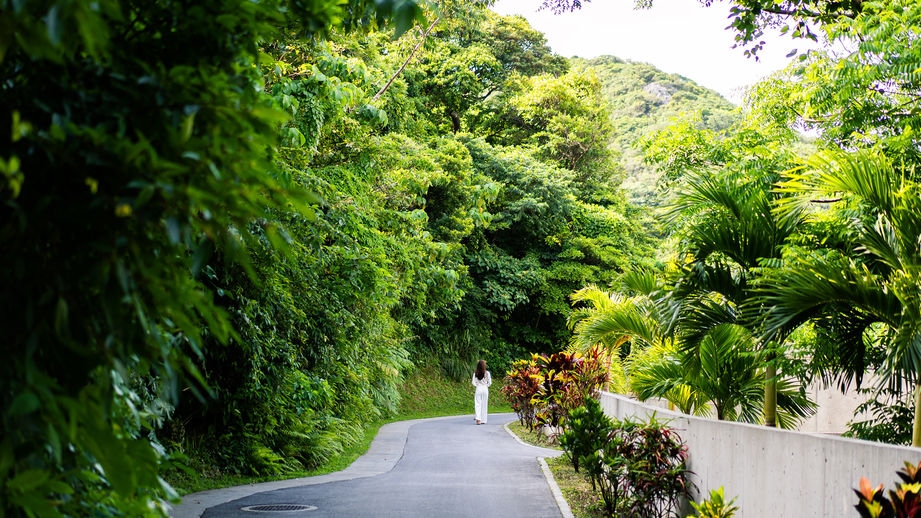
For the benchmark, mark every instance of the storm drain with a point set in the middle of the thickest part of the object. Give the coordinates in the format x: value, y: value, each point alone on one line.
x: 278, y: 508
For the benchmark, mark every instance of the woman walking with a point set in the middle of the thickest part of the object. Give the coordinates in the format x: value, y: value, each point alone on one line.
x: 481, y: 380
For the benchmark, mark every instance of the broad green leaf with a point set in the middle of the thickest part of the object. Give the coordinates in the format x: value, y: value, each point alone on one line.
x: 28, y: 480
x: 24, y: 403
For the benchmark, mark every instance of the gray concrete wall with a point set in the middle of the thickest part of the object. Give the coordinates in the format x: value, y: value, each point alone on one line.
x: 771, y: 472
x: 835, y: 409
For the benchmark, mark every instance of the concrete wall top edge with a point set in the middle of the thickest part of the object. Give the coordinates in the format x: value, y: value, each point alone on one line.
x: 667, y: 415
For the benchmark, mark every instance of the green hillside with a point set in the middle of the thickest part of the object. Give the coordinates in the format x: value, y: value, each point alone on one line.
x: 643, y: 98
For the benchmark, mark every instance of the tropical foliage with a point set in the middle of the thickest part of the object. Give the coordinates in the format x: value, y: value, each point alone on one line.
x: 699, y: 333
x: 872, y: 293
x: 714, y: 506
x: 784, y: 258
x: 545, y: 389
x: 639, y: 467
x: 903, y: 501
x: 586, y: 432
x: 720, y: 376
x: 132, y: 169
x: 236, y: 253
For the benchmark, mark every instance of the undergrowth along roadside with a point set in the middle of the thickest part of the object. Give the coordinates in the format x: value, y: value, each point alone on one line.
x: 425, y: 393
x: 428, y: 393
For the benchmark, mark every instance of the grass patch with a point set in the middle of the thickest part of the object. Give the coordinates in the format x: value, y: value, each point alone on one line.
x: 531, y: 437
x: 576, y: 488
x: 428, y: 393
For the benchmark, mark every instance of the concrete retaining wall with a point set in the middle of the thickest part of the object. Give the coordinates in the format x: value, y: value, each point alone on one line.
x: 775, y: 473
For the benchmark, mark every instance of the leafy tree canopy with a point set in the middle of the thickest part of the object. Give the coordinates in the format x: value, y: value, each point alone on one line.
x: 643, y: 100
x: 132, y: 168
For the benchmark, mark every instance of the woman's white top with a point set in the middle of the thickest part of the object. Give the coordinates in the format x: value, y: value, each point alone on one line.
x: 485, y: 382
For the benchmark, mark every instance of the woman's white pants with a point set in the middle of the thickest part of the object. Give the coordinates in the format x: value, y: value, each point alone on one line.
x: 480, y: 402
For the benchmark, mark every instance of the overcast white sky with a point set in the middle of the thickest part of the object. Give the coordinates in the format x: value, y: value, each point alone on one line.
x: 676, y: 36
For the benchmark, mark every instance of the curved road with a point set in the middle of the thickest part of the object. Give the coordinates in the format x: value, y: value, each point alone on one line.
x: 444, y: 467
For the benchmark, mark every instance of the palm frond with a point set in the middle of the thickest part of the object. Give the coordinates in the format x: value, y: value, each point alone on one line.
x: 732, y: 217
x: 597, y: 301
x: 792, y: 404
x: 613, y: 325
x: 716, y: 277
x: 832, y: 174
x: 811, y: 283
x: 702, y: 317
x: 657, y: 373
x: 641, y: 282
x: 703, y: 191
x: 595, y: 297
x: 904, y: 356
x: 866, y: 174
x: 729, y: 373
x: 881, y: 245
x: 841, y: 354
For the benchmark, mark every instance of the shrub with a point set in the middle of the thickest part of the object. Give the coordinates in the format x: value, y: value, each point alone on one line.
x: 587, y: 430
x: 568, y: 378
x: 640, y: 468
x: 544, y: 389
x: 714, y: 507
x: 646, y: 471
x: 903, y: 502
x: 522, y: 384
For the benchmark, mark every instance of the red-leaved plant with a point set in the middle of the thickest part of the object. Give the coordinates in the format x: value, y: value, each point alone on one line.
x: 544, y: 389
x: 904, y: 502
x: 522, y: 383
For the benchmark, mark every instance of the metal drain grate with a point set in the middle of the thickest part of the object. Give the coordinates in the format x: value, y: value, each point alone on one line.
x: 278, y: 508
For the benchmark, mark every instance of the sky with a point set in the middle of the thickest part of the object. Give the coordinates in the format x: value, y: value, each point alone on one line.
x: 676, y: 36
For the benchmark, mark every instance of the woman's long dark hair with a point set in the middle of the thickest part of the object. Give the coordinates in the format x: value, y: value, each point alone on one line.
x: 480, y: 369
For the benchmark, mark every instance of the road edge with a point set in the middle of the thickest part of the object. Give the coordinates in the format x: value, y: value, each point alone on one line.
x: 561, y: 502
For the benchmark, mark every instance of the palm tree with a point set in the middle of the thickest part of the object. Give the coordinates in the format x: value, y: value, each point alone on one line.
x: 620, y: 324
x: 720, y: 372
x: 728, y: 378
x: 725, y: 378
x: 637, y: 330
x: 876, y: 283
x: 731, y: 231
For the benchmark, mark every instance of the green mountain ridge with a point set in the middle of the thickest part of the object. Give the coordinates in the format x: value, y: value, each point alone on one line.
x: 644, y: 99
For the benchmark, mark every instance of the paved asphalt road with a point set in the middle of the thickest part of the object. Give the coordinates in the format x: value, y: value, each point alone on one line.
x: 444, y: 467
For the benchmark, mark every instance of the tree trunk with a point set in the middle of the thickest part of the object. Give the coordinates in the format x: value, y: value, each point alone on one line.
x: 916, y: 425
x: 607, y: 382
x: 770, y: 394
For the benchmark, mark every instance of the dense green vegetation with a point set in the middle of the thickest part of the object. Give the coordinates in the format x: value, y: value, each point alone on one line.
x: 642, y: 98
x: 237, y: 253
x: 240, y: 252
x: 794, y: 262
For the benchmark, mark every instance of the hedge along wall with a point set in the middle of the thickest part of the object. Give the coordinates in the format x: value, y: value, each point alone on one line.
x: 771, y: 472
